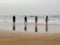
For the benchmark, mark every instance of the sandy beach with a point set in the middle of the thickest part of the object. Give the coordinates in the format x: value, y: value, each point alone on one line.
x: 28, y: 38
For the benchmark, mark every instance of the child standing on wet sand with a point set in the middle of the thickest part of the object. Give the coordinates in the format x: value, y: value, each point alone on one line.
x: 46, y: 23
x: 14, y: 20
x: 36, y: 18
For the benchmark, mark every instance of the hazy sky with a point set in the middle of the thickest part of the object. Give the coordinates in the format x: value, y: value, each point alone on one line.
x: 30, y: 7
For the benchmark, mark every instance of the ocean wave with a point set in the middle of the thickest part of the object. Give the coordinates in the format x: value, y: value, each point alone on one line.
x: 32, y: 21
x: 53, y: 19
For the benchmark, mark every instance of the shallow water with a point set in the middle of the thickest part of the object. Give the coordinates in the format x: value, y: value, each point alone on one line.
x: 52, y: 28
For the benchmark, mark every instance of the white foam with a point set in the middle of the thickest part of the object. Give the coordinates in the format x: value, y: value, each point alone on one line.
x: 31, y: 21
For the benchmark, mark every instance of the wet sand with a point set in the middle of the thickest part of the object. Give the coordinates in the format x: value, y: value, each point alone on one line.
x: 28, y: 38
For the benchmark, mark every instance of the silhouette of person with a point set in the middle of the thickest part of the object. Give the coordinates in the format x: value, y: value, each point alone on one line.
x: 46, y: 19
x: 14, y: 18
x: 25, y: 23
x: 46, y: 23
x: 25, y: 18
x: 36, y: 19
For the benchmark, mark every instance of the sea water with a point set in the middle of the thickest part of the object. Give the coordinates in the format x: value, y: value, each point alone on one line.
x: 6, y: 23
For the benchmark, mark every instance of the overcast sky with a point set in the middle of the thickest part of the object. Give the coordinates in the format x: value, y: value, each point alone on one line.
x: 30, y: 7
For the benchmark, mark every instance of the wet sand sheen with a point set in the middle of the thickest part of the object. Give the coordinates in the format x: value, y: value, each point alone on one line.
x: 28, y: 38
